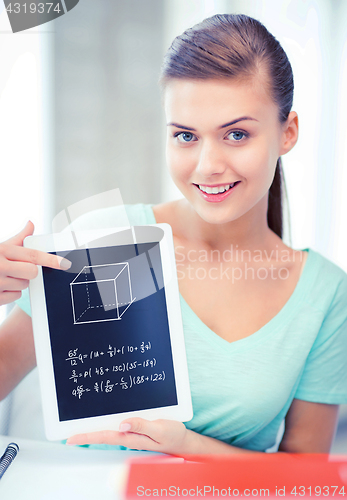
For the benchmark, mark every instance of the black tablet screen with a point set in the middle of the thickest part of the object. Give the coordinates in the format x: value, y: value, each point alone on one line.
x: 109, y: 332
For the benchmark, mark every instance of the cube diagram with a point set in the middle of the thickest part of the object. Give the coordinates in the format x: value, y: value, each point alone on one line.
x: 101, y: 293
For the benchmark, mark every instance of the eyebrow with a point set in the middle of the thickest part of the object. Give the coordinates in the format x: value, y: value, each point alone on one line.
x: 177, y: 125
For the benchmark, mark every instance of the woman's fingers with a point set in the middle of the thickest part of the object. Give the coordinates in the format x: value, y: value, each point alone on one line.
x: 13, y: 285
x: 130, y: 440
x: 152, y: 429
x: 8, y: 297
x: 165, y: 436
x: 135, y: 427
x: 19, y: 264
x: 108, y: 437
x: 17, y: 270
x: 37, y: 257
x: 100, y: 437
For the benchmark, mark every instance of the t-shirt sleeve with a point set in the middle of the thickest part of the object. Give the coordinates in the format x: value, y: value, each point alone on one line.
x: 135, y: 215
x: 324, y: 377
x: 24, y: 302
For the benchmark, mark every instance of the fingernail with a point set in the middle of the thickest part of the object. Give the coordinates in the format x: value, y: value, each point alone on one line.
x: 70, y: 444
x: 124, y: 427
x: 65, y: 264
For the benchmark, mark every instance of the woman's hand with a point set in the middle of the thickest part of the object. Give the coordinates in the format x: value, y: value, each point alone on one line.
x: 18, y: 265
x: 165, y: 436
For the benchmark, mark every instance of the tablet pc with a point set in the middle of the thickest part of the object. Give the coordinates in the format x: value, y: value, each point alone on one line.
x: 108, y: 332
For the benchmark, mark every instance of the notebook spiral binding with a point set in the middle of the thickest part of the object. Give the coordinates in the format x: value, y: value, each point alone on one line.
x: 7, y: 458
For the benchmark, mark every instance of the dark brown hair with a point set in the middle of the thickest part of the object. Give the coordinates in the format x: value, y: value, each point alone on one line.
x: 236, y: 46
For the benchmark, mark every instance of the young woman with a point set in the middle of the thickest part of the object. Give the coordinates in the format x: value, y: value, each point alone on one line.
x: 265, y: 325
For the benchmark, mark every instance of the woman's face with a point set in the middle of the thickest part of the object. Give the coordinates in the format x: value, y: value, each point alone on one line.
x: 224, y: 138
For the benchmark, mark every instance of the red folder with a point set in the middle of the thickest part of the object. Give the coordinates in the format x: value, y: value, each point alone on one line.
x: 267, y: 475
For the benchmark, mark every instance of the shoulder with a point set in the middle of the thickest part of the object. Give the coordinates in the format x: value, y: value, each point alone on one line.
x: 328, y: 295
x: 335, y: 271
x: 328, y: 278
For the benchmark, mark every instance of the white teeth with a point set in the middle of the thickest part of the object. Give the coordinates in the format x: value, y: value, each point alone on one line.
x: 206, y: 189
x: 216, y: 189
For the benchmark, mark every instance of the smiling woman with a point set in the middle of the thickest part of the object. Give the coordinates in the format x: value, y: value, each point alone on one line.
x: 266, y: 337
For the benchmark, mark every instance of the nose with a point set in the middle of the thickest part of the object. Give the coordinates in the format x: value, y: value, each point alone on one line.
x: 211, y: 160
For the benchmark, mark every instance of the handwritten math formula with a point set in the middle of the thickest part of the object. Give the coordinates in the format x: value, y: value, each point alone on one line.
x: 111, y: 369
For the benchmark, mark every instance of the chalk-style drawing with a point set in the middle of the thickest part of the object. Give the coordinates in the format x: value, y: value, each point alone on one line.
x: 101, y: 293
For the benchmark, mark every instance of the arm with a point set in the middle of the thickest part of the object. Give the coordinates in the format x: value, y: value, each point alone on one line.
x: 17, y: 354
x: 310, y: 428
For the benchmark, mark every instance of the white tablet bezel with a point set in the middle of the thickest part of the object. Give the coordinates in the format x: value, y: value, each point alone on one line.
x: 56, y: 429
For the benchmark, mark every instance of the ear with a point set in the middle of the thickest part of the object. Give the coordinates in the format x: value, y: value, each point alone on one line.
x: 290, y: 133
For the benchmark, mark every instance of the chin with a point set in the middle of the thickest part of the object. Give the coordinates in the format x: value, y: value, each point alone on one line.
x: 216, y: 215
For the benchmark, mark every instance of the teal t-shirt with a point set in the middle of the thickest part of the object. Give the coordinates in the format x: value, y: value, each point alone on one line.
x: 241, y: 391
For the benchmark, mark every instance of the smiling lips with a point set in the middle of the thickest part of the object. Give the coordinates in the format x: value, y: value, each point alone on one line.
x: 216, y: 193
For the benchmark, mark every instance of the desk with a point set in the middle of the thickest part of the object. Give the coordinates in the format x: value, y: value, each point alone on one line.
x: 53, y: 471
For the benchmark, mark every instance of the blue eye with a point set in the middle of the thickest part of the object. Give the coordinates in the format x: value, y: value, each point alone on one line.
x: 237, y: 135
x: 185, y: 136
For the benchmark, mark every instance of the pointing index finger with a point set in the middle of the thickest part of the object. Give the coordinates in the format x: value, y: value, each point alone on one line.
x: 49, y: 260
x: 37, y: 257
x: 64, y: 264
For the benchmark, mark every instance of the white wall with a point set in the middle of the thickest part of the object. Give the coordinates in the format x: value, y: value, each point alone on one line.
x: 25, y: 130
x: 26, y: 164
x: 339, y: 205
